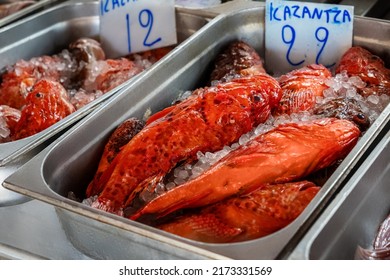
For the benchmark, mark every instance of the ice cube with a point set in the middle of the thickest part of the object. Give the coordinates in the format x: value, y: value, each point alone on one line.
x: 160, y: 188
x: 351, y: 92
x: 374, y: 99
x: 357, y: 82
x: 180, y: 173
x: 170, y: 185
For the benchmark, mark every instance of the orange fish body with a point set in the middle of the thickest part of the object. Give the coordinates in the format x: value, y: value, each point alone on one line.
x: 118, y: 139
x: 113, y: 73
x: 19, y: 79
x: 47, y: 103
x: 238, y: 59
x: 301, y: 87
x: 288, y: 152
x: 360, y: 62
x: 206, y: 121
x: 257, y: 214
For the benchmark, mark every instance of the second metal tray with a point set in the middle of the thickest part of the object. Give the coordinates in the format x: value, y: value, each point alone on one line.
x: 48, y: 33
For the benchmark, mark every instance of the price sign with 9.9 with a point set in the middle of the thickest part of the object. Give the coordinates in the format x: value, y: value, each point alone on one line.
x: 299, y: 34
x: 128, y: 26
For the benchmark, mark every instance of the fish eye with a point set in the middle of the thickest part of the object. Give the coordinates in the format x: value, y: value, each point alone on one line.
x: 256, y: 98
x: 361, y: 116
x: 39, y: 95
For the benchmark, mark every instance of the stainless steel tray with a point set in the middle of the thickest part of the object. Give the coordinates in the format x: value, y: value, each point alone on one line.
x: 49, y: 32
x: 29, y: 38
x: 354, y: 216
x: 33, y: 8
x: 51, y: 174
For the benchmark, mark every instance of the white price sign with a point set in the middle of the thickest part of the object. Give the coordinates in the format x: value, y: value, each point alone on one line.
x: 128, y: 26
x: 299, y: 33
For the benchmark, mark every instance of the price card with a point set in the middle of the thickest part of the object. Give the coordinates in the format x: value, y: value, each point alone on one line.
x: 128, y: 26
x: 299, y: 33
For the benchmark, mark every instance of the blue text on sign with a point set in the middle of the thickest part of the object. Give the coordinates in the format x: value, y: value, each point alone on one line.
x: 332, y: 15
x: 110, y: 5
x: 143, y: 15
x: 130, y: 26
x: 298, y: 34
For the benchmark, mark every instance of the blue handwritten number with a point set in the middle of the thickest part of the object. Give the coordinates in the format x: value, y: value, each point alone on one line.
x: 323, y: 40
x: 290, y: 43
x: 149, y: 25
x: 128, y: 32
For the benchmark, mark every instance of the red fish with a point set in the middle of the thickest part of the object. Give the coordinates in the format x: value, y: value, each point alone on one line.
x: 238, y: 59
x: 111, y: 73
x: 360, y: 62
x: 289, y: 152
x: 257, y: 214
x: 47, y: 103
x: 19, y: 79
x: 118, y: 139
x: 206, y: 121
x: 301, y: 87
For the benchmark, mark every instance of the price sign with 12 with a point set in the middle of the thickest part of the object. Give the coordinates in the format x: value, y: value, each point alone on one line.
x: 129, y: 26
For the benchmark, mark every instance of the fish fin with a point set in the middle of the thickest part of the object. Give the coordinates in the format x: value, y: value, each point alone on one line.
x: 202, y: 227
x: 174, y: 204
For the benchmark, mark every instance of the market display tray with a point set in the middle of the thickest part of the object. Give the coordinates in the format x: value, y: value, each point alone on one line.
x: 51, y: 31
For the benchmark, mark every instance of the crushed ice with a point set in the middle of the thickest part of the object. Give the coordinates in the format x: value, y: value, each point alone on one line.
x: 4, y: 130
x: 79, y: 78
x: 342, y: 86
x: 141, y: 62
x: 79, y: 98
x: 87, y: 201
